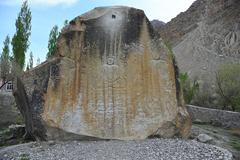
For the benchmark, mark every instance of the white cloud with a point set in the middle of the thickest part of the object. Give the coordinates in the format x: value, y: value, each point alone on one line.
x: 39, y: 2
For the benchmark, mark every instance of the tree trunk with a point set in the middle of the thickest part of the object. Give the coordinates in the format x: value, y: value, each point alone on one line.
x: 22, y: 101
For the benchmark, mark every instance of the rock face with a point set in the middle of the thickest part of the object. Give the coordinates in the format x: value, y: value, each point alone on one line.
x: 112, y: 77
x: 204, y: 37
x: 9, y: 113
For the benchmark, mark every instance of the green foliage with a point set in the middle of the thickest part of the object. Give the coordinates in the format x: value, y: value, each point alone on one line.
x: 65, y: 23
x: 20, y: 40
x: 19, y: 119
x: 228, y: 86
x: 169, y: 47
x: 52, y: 42
x: 5, y: 59
x: 4, y: 134
x: 235, y: 143
x: 31, y: 60
x: 203, y: 98
x: 6, y: 49
x: 190, y: 89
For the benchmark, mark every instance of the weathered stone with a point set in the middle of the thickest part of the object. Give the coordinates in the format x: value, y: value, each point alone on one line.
x: 112, y: 77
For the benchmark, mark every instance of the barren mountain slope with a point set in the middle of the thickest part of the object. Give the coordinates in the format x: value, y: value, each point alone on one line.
x: 204, y: 37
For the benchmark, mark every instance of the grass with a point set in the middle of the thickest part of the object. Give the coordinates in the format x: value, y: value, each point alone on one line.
x: 19, y: 120
x: 4, y: 133
x: 235, y: 143
x: 235, y: 140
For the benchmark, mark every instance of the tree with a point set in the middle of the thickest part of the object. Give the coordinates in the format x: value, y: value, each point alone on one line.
x: 38, y: 61
x: 228, y: 86
x: 190, y: 89
x: 8, y: 67
x: 5, y: 61
x: 20, y: 40
x: 65, y: 23
x: 27, y: 68
x: 31, y: 60
x: 52, y: 42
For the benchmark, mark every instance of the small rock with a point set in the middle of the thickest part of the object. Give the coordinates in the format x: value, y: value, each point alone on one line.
x: 51, y: 143
x: 204, y: 138
x: 17, y: 131
x: 198, y: 121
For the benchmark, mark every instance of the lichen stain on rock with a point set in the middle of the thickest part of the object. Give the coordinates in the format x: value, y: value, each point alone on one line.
x: 109, y: 96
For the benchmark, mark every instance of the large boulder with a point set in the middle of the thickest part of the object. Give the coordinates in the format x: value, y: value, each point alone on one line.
x: 111, y: 77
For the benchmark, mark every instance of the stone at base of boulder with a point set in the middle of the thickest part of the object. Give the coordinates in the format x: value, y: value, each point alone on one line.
x: 17, y: 131
x: 204, y: 138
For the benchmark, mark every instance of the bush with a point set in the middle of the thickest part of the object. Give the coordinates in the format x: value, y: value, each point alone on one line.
x: 228, y: 86
x: 203, y: 99
x: 190, y: 89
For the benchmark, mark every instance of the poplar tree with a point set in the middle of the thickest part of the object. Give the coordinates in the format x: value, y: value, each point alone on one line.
x: 5, y: 60
x: 20, y: 40
x: 31, y: 60
x: 52, y: 42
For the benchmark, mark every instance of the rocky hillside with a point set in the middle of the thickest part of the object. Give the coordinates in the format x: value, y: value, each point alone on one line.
x: 157, y: 24
x: 204, y: 37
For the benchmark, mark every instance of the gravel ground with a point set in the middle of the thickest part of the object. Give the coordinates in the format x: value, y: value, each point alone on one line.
x: 151, y: 149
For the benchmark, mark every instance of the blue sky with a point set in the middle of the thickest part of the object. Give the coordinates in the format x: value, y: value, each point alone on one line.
x: 47, y: 13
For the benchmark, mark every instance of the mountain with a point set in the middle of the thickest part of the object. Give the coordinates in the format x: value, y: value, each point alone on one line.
x: 205, y: 37
x: 157, y: 24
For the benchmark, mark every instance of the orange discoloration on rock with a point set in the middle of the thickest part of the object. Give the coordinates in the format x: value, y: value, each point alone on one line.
x: 112, y: 79
x: 137, y: 89
x: 171, y: 70
x: 109, y: 98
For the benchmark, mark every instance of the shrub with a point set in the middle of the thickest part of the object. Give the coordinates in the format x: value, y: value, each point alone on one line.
x: 203, y: 99
x: 228, y: 86
x: 190, y: 89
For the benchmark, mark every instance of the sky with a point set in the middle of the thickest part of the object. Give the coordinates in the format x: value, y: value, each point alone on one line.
x: 47, y: 13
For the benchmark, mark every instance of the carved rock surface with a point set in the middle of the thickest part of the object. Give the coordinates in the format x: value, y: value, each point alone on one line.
x: 112, y: 77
